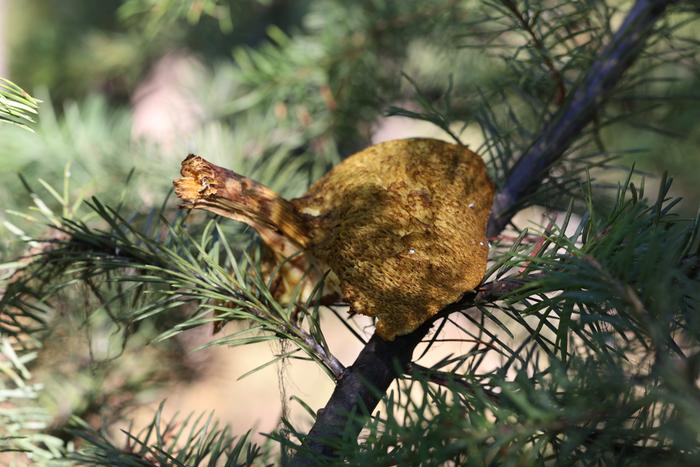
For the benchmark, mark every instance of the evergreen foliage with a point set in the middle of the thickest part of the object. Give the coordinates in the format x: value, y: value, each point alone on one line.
x: 16, y: 106
x: 591, y: 315
x: 192, y: 441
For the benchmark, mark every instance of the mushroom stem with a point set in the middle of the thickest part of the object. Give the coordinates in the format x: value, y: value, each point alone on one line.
x: 207, y: 186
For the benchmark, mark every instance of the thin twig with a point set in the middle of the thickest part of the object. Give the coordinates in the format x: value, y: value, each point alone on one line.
x: 554, y: 74
x: 328, y: 359
x: 446, y: 378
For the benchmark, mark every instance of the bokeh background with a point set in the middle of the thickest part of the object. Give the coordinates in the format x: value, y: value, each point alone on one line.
x: 278, y: 89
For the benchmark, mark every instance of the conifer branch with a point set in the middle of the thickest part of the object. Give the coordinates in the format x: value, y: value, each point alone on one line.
x: 366, y: 381
x: 328, y: 359
x: 578, y: 110
x: 363, y: 385
x: 526, y: 23
x: 447, y: 379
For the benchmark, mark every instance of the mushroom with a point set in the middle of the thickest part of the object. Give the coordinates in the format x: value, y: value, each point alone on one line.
x: 399, y: 228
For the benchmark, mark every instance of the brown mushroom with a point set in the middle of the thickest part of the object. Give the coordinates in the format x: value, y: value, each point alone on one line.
x: 400, y: 225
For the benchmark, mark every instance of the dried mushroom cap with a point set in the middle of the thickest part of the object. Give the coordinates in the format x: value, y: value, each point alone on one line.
x: 401, y: 224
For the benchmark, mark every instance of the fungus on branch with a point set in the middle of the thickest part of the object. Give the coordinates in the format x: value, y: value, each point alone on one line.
x: 401, y: 225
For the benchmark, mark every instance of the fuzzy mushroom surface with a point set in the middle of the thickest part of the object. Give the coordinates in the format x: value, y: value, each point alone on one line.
x: 401, y: 225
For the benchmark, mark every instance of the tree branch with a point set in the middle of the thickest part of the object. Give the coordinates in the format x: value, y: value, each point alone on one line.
x: 363, y: 385
x: 578, y: 110
x: 328, y: 359
x: 365, y: 382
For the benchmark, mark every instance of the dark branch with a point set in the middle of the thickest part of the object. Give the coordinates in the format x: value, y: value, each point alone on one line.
x: 363, y: 385
x: 578, y: 110
x: 365, y: 382
x: 358, y: 392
